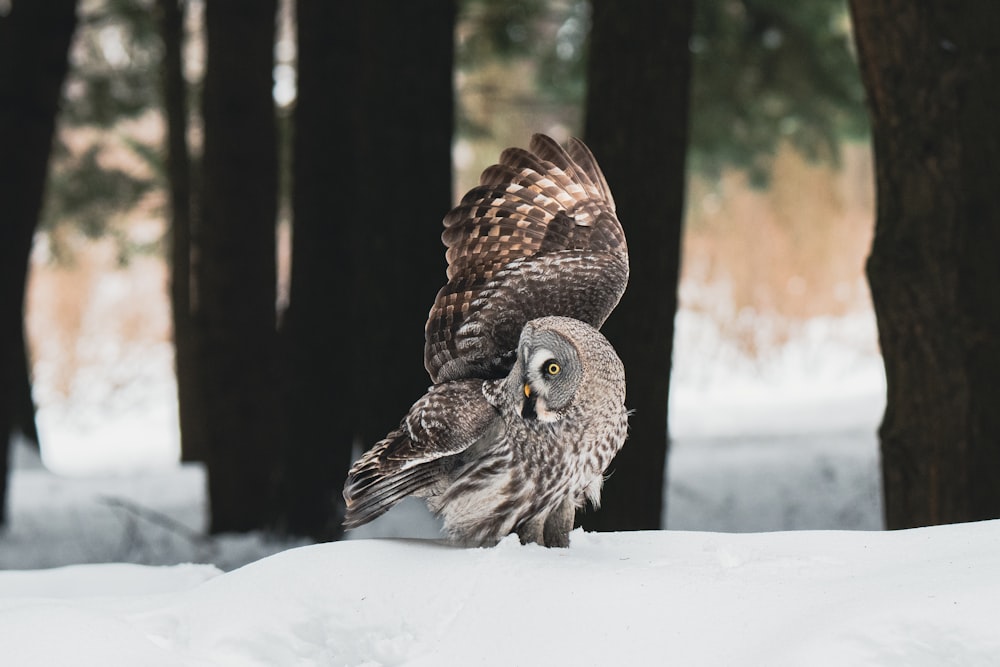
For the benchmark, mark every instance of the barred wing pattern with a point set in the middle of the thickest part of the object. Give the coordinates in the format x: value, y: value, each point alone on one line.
x: 498, y: 444
x: 409, y: 460
x: 539, y: 236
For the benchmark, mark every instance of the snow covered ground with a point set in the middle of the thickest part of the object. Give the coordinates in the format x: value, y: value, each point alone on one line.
x: 773, y: 553
x: 926, y: 597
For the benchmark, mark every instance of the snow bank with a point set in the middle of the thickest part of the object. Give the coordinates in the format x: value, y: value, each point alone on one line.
x: 922, y: 597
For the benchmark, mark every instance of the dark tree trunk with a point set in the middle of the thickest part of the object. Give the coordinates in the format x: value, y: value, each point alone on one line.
x: 34, y: 42
x: 372, y: 182
x: 24, y: 403
x: 192, y: 427
x: 931, y: 70
x: 237, y: 265
x: 319, y: 337
x: 637, y: 126
x: 403, y: 148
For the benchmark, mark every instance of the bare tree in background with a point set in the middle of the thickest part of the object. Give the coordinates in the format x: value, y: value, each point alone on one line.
x: 178, y: 169
x: 322, y: 400
x: 638, y: 81
x: 35, y: 37
x: 236, y: 272
x: 403, y: 148
x: 371, y: 184
x: 931, y: 70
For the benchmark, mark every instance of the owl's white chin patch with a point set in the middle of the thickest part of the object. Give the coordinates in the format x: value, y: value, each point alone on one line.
x: 543, y: 412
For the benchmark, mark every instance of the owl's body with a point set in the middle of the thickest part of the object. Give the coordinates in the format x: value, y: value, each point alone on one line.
x: 527, y: 410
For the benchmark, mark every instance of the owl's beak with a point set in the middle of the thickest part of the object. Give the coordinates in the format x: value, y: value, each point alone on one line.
x: 528, y: 404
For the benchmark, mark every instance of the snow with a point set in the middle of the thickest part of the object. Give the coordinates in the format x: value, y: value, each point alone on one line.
x: 828, y: 378
x: 785, y: 440
x: 928, y: 596
x: 774, y: 553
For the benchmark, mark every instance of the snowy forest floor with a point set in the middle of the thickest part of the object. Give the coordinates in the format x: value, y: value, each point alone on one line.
x: 773, y: 553
x: 785, y: 441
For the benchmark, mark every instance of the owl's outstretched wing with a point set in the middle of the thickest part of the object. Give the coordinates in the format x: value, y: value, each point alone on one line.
x: 539, y: 236
x: 447, y: 420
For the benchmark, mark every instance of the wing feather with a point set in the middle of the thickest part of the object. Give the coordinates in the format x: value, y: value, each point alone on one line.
x: 538, y: 236
x: 446, y: 421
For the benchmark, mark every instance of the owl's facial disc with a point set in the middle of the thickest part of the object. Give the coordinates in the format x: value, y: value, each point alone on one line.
x: 542, y: 367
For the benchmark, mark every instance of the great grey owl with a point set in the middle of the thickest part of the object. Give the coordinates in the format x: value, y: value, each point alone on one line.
x: 527, y: 408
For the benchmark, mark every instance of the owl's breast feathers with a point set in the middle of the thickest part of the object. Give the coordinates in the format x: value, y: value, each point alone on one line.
x: 483, y: 468
x: 570, y: 452
x: 529, y: 471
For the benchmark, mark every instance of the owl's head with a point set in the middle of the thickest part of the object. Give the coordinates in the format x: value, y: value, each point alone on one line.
x: 563, y: 362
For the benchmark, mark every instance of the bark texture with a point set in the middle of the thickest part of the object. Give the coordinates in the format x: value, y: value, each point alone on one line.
x: 372, y: 182
x: 34, y: 44
x: 639, y: 75
x: 931, y: 71
x: 179, y: 178
x: 237, y: 265
x: 316, y: 331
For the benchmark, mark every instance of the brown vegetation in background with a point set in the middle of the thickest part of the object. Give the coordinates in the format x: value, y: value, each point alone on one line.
x: 92, y: 313
x: 785, y: 254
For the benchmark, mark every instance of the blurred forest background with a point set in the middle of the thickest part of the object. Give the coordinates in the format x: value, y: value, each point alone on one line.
x: 242, y: 178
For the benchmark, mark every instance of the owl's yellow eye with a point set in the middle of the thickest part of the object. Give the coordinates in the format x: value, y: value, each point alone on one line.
x: 552, y: 368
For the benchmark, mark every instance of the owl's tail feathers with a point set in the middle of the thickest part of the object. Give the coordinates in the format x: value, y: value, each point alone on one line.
x: 371, y: 491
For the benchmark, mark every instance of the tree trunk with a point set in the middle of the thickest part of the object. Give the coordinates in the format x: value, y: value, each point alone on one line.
x: 639, y: 73
x: 237, y: 265
x: 174, y: 86
x: 316, y: 326
x: 34, y: 42
x: 931, y: 71
x: 372, y: 182
x: 24, y: 403
x: 403, y: 148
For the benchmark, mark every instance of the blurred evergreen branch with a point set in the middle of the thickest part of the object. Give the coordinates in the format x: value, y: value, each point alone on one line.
x: 115, y: 64
x: 766, y: 72
x: 114, y: 77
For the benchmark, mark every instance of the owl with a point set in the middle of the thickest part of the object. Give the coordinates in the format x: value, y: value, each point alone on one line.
x: 527, y: 406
